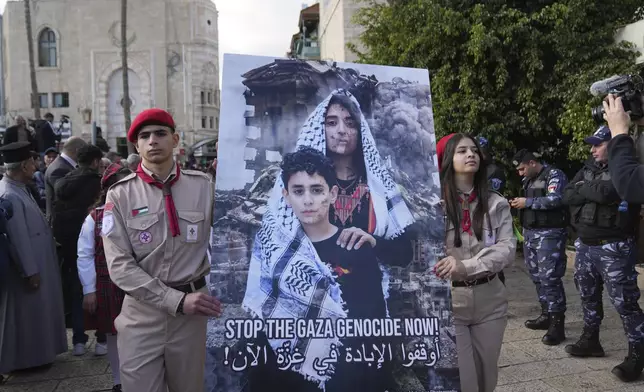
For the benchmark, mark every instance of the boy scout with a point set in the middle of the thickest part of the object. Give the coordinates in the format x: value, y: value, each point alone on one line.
x: 155, y: 232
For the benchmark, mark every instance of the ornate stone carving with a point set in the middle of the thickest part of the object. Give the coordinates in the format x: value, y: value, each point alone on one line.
x: 115, y: 35
x: 209, y: 68
x: 174, y: 61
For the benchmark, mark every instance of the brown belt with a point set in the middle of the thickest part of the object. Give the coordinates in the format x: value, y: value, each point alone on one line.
x: 474, y: 282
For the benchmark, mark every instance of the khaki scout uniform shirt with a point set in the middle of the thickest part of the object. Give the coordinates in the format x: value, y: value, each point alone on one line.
x: 143, y: 258
x: 495, y: 251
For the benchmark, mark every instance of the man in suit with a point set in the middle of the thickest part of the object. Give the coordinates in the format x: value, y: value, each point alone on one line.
x: 62, y: 165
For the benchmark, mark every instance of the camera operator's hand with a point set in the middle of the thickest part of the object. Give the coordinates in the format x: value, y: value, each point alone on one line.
x: 618, y: 120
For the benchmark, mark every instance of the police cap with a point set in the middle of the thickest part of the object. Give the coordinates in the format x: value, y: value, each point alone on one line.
x: 523, y: 156
x: 17, y: 152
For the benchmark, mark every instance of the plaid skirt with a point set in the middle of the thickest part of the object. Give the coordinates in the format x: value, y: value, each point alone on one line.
x: 109, y: 299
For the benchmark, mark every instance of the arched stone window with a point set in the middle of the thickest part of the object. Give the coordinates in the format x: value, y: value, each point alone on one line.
x: 47, y: 54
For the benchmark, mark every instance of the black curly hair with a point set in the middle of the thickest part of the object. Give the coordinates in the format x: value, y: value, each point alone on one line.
x: 310, y: 160
x: 88, y: 154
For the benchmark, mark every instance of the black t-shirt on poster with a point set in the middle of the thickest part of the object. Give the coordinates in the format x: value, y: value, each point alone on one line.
x: 358, y: 274
x: 360, y: 279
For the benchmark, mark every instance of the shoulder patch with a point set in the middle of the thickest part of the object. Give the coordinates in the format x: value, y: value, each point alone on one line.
x: 495, y: 183
x: 108, y: 224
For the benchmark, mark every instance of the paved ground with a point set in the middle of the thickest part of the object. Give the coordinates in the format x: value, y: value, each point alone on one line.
x: 526, y: 364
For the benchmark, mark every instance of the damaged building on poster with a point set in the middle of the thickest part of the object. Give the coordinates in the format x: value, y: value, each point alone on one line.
x: 279, y: 97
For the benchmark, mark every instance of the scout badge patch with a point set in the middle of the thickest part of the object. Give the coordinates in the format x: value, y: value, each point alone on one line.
x: 108, y: 222
x: 145, y: 237
x: 192, y: 233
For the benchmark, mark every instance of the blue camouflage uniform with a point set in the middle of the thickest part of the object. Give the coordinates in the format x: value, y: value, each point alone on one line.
x: 611, y: 264
x: 606, y: 250
x: 544, y: 246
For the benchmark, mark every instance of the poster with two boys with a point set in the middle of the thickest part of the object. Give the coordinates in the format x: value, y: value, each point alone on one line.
x: 327, y: 224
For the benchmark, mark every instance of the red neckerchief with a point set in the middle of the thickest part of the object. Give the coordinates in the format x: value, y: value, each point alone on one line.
x: 466, y: 222
x: 170, y: 209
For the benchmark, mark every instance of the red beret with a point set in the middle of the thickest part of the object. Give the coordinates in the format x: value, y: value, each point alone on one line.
x: 440, y: 148
x: 149, y: 117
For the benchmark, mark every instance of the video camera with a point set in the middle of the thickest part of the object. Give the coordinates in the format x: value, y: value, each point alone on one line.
x: 628, y: 87
x: 64, y: 119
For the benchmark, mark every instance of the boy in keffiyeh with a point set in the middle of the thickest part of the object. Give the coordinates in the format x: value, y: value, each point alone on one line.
x: 310, y: 191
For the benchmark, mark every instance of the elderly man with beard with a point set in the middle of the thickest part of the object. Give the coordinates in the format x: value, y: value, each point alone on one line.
x: 32, y: 319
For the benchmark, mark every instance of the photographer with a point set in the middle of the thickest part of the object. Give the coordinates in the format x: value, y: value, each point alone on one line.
x: 626, y: 171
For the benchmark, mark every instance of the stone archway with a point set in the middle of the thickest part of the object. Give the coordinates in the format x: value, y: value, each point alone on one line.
x: 139, y: 93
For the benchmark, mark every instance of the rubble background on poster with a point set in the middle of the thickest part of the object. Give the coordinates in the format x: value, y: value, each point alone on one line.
x: 400, y: 118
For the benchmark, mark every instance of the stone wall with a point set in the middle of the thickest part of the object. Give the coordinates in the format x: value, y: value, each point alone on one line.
x: 163, y: 36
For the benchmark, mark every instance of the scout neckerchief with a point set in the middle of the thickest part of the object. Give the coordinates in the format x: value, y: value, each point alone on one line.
x: 466, y: 221
x: 166, y: 187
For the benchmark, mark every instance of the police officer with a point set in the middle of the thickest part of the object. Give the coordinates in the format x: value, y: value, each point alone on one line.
x: 495, y: 173
x: 155, y: 230
x: 544, y: 220
x: 605, y: 255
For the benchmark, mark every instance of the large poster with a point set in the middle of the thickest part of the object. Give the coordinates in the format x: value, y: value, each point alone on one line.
x: 327, y: 227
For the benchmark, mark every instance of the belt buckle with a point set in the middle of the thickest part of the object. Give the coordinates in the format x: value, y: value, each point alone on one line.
x: 470, y: 283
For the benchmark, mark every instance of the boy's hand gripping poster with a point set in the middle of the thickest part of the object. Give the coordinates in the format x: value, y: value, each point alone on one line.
x: 328, y: 222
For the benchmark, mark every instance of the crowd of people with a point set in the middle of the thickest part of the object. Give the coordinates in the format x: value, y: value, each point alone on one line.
x: 53, y: 204
x: 122, y: 244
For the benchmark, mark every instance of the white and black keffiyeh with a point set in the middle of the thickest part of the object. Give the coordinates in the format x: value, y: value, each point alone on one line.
x: 286, y: 278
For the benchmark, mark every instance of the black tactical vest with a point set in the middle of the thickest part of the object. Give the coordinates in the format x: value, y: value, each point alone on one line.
x: 542, y: 219
x: 605, y: 216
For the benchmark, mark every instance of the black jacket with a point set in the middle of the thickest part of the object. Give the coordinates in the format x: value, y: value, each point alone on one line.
x: 57, y: 170
x: 11, y: 135
x: 45, y: 136
x: 626, y: 171
x: 496, y: 177
x: 599, y: 191
x: 75, y: 194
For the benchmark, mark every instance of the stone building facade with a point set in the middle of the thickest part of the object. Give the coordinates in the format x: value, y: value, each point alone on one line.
x: 172, y: 55
x: 634, y: 33
x: 337, y: 29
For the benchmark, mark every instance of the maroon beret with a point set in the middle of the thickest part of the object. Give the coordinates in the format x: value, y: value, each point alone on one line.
x: 440, y: 148
x: 149, y: 117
